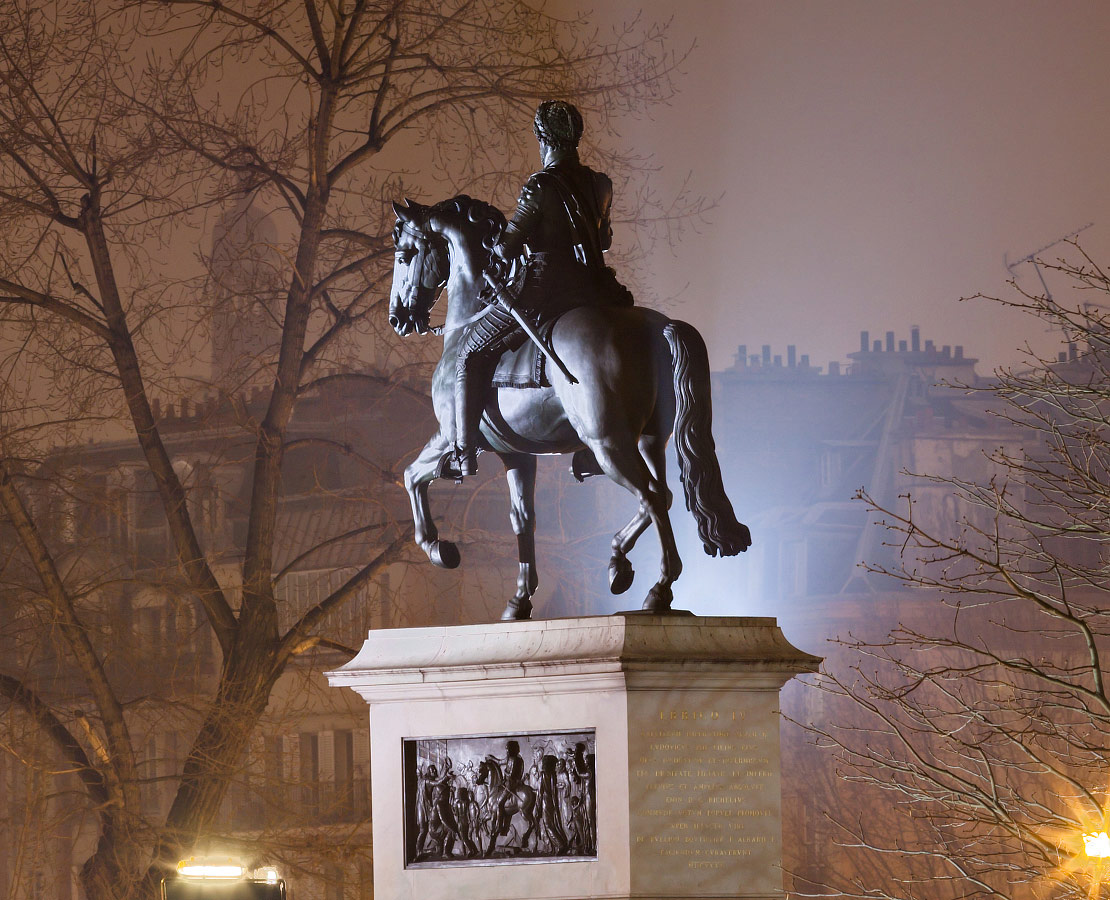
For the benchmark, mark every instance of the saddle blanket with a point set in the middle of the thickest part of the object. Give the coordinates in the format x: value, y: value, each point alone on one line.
x: 525, y: 367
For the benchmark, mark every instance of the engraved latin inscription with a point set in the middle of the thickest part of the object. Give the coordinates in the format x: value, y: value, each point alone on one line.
x: 707, y: 786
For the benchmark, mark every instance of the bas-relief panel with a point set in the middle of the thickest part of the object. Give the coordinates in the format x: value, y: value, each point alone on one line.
x: 496, y: 799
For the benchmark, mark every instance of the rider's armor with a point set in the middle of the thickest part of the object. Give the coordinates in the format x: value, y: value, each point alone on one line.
x: 562, y: 218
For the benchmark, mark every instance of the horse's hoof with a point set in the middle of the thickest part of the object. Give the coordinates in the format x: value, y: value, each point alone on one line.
x: 518, y: 610
x: 658, y: 599
x: 621, y: 574
x: 444, y: 554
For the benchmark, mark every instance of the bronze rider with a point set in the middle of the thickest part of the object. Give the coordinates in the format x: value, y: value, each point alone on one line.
x: 563, y: 218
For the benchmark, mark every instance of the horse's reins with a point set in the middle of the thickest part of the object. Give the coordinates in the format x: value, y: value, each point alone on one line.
x: 440, y: 330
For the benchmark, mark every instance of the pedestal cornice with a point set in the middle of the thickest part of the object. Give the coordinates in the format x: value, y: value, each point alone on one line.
x: 646, y: 647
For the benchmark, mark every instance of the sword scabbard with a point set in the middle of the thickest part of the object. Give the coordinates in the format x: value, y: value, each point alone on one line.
x: 507, y: 302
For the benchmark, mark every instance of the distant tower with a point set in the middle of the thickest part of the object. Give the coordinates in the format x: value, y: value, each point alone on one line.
x: 245, y: 289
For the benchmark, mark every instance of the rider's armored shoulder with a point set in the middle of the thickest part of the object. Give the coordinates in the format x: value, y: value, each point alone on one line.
x: 532, y: 189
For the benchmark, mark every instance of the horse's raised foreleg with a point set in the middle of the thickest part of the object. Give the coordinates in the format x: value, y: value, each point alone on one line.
x: 417, y: 478
x: 520, y: 473
x: 621, y: 573
x: 624, y: 464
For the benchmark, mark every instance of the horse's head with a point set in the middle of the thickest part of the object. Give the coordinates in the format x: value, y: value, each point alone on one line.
x: 423, y: 263
x: 420, y: 269
x: 489, y: 769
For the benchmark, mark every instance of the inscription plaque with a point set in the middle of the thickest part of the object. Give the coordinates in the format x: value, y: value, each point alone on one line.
x: 707, y: 800
x: 500, y: 798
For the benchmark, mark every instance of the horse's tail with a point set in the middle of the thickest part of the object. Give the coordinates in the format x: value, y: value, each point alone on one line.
x: 718, y: 528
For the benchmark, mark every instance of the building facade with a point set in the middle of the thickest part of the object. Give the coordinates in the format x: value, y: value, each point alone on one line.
x: 796, y: 444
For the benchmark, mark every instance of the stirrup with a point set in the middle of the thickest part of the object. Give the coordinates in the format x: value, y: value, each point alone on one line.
x: 584, y: 464
x: 457, y: 464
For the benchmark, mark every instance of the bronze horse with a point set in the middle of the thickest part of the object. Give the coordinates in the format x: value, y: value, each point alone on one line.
x: 639, y: 376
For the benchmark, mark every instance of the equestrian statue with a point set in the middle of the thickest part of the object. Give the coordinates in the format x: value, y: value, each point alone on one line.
x: 544, y: 352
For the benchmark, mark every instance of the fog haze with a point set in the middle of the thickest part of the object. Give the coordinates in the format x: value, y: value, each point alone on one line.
x: 876, y: 162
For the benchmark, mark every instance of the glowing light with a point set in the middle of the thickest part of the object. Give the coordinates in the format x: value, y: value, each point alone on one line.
x: 208, y: 868
x: 270, y: 874
x: 1097, y: 844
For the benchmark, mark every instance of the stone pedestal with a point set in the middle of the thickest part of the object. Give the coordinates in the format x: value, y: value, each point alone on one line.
x: 672, y: 721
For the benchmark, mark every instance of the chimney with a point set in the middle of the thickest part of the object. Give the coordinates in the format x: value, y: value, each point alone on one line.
x: 766, y: 354
x: 791, y: 356
x: 890, y: 342
x: 805, y: 360
x: 946, y: 351
x: 741, y: 356
x: 834, y: 368
x: 915, y: 339
x: 877, y: 347
x: 930, y: 347
x: 1073, y: 351
x: 864, y: 341
x: 959, y: 351
x: 778, y: 360
x: 901, y: 346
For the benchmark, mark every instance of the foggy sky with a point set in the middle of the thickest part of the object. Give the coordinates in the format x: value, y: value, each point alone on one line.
x: 877, y: 161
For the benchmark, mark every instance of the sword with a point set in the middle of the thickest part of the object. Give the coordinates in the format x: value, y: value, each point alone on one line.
x: 504, y: 299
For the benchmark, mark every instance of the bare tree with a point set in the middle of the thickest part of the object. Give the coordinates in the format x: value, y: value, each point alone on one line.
x: 128, y: 136
x: 976, y: 731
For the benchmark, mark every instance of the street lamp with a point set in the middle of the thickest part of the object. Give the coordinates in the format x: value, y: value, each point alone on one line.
x: 1096, y: 844
x: 209, y: 878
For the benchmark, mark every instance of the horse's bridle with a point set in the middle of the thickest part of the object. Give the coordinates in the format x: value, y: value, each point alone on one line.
x: 416, y: 286
x: 422, y: 241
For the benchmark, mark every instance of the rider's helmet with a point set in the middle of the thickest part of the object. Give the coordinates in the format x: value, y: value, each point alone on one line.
x: 558, y: 124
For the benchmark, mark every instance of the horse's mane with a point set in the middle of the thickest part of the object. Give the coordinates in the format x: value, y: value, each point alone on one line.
x: 488, y: 217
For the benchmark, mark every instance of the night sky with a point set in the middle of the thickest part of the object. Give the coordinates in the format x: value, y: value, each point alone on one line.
x: 878, y: 160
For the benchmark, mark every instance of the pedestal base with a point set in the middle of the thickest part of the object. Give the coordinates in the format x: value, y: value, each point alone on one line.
x: 646, y: 748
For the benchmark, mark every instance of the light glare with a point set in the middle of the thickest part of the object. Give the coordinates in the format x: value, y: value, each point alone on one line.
x: 194, y: 868
x: 1097, y: 844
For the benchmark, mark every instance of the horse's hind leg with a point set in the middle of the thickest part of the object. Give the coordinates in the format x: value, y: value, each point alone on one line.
x: 624, y: 464
x: 417, y: 478
x: 520, y: 473
x: 621, y: 573
x: 528, y: 810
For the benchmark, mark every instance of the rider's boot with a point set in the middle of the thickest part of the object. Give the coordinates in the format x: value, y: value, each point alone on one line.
x: 456, y: 463
x: 467, y: 458
x: 468, y: 412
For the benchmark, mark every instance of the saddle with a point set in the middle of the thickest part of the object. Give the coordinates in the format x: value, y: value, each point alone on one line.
x: 525, y: 367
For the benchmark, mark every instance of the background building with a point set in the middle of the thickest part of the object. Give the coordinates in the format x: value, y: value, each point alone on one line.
x: 796, y: 442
